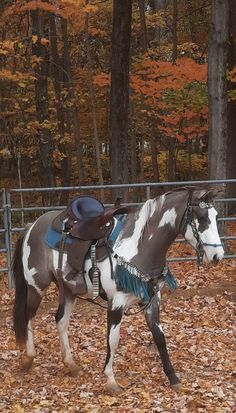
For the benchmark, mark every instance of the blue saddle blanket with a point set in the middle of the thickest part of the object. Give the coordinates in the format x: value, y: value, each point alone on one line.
x: 53, y: 238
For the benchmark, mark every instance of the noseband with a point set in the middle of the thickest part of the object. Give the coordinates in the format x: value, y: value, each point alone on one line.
x: 188, y: 219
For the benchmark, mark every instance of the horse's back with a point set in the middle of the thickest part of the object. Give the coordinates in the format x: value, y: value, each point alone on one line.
x: 37, y: 255
x: 37, y: 231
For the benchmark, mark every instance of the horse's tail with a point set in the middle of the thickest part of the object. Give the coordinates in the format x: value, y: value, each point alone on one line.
x: 20, y: 317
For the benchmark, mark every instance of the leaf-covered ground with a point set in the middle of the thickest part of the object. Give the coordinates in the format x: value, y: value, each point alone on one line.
x: 199, y: 323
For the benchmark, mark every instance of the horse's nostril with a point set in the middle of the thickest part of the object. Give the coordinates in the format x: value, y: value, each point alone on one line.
x: 215, y: 259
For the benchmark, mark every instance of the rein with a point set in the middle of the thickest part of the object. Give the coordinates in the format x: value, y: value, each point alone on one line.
x: 105, y: 307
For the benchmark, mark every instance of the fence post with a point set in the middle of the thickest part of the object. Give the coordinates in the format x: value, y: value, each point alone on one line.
x: 148, y: 192
x: 8, y: 234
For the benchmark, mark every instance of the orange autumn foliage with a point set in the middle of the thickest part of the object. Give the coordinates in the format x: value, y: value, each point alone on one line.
x: 174, y: 93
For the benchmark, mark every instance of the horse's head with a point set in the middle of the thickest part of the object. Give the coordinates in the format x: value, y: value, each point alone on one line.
x: 199, y: 226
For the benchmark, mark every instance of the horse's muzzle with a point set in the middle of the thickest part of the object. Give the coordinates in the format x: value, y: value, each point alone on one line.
x: 216, y: 259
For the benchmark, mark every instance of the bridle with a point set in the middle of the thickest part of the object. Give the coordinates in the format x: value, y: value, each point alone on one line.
x: 188, y: 220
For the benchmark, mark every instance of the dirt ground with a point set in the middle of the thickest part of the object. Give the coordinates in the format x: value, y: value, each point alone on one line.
x: 199, y: 323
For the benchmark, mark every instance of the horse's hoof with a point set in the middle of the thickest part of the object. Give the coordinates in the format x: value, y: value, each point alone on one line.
x: 74, y: 370
x: 113, y: 389
x: 26, y: 363
x: 176, y: 386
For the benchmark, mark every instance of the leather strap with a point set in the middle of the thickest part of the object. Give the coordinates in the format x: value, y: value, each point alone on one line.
x: 59, y: 269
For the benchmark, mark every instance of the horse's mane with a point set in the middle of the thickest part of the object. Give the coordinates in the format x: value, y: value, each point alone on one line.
x: 188, y: 189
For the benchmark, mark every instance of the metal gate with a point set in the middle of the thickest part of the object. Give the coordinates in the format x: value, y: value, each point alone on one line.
x: 20, y: 206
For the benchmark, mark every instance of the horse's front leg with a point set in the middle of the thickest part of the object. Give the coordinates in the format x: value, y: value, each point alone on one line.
x: 114, y: 316
x: 62, y: 319
x: 152, y: 314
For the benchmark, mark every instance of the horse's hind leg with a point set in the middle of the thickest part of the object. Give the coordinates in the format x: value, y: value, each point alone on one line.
x: 33, y: 302
x: 62, y: 319
x: 26, y: 303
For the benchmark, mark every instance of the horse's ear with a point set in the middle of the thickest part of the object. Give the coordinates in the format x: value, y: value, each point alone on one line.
x: 212, y: 194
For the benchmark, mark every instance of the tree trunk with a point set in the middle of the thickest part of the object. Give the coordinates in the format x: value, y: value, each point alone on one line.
x: 42, y: 111
x: 190, y: 6
x: 217, y: 94
x: 159, y: 32
x: 144, y: 40
x: 72, y: 111
x: 93, y: 107
x: 155, y: 169
x: 141, y: 171
x: 217, y: 89
x: 171, y: 160
x: 121, y: 34
x: 231, y: 145
x: 56, y: 70
x: 133, y: 161
x: 158, y: 4
x: 174, y: 32
x: 133, y: 153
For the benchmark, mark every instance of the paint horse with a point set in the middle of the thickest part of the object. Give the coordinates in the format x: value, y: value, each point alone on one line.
x: 139, y: 271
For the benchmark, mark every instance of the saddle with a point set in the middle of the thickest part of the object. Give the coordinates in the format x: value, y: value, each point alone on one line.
x: 88, y: 223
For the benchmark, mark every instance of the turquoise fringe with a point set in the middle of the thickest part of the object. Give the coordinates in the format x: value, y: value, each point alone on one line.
x: 131, y: 283
x: 134, y: 284
x: 171, y: 280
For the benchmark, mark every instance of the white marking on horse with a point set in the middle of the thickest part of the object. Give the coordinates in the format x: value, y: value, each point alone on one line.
x: 168, y: 217
x: 189, y: 234
x: 29, y: 272
x: 121, y: 299
x: 211, y: 236
x: 161, y: 201
x: 55, y: 255
x: 114, y: 337
x: 124, y: 247
x: 160, y: 327
x: 30, y: 349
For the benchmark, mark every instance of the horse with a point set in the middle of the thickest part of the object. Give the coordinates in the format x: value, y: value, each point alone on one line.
x: 135, y: 271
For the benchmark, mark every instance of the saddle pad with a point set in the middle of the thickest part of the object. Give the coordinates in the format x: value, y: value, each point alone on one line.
x: 116, y: 230
x: 53, y: 237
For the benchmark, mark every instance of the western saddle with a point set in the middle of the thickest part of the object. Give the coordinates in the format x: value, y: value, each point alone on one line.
x: 88, y: 224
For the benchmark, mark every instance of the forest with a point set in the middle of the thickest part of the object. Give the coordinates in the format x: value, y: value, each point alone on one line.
x: 100, y: 92
x: 114, y: 92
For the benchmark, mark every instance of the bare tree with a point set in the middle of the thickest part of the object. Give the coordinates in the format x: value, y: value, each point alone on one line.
x: 217, y: 89
x: 42, y: 110
x: 174, y: 31
x: 72, y: 110
x: 121, y: 33
x: 144, y: 40
x: 217, y: 93
x: 93, y: 106
x: 64, y: 148
x: 231, y: 145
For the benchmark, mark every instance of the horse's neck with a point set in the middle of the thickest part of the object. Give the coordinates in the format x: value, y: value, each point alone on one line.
x: 154, y: 248
x: 147, y: 237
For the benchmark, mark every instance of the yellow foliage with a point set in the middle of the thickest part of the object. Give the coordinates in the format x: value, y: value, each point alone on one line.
x: 44, y: 41
x: 6, y: 47
x: 7, y: 75
x: 34, y: 38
